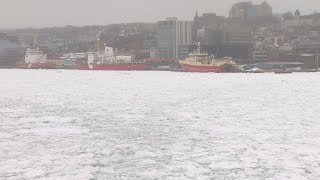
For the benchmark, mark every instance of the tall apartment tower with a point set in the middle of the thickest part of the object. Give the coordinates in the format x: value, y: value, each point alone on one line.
x: 174, y: 38
x: 250, y: 11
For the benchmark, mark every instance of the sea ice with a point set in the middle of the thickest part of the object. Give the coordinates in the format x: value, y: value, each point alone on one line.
x: 158, y: 125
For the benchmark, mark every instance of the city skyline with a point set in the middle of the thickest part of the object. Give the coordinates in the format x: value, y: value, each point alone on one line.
x: 39, y: 13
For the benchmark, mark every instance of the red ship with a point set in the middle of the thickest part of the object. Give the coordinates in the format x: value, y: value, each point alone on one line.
x: 202, y: 62
x: 201, y: 68
x: 108, y: 62
x: 35, y: 59
x: 35, y: 66
x: 113, y: 67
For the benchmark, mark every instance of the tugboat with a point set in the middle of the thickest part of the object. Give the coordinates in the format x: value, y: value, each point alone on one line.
x: 35, y: 59
x: 198, y: 61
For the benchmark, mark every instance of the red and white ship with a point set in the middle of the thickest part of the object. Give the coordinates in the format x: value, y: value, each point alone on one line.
x: 108, y: 62
x: 202, y: 62
x: 35, y: 59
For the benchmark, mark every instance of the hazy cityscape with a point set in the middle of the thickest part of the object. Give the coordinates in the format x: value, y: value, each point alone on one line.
x: 251, y: 34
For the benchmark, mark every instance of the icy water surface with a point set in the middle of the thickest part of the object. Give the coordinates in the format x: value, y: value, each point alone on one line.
x: 158, y: 125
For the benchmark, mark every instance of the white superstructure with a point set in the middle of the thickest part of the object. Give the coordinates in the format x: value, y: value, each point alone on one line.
x: 107, y: 57
x: 35, y: 56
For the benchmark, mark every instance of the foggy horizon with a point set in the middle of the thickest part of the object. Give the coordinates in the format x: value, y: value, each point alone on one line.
x: 35, y: 13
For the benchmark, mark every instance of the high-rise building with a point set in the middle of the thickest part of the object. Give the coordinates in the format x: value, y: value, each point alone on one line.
x: 174, y: 38
x: 238, y: 33
x: 250, y: 11
x: 207, y: 25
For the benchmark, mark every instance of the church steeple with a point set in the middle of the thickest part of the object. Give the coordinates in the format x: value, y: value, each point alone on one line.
x: 196, y: 16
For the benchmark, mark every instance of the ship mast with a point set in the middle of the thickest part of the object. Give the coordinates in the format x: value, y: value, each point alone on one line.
x: 199, y: 48
x: 35, y: 40
x: 98, y: 46
x: 99, y: 43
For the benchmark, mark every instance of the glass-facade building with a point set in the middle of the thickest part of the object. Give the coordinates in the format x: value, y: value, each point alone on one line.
x: 174, y: 38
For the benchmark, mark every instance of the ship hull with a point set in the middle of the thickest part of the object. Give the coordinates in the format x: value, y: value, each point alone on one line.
x: 36, y: 66
x: 113, y: 67
x: 203, y: 69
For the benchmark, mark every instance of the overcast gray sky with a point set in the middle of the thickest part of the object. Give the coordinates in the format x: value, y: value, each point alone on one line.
x: 44, y: 13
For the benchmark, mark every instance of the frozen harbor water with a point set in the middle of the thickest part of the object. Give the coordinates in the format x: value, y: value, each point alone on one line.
x: 158, y: 125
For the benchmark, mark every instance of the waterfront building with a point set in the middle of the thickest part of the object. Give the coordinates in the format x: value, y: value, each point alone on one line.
x: 239, y: 33
x: 174, y: 38
x: 260, y: 56
x: 307, y: 44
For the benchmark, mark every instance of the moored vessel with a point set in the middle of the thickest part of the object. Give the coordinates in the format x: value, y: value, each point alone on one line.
x: 203, y: 62
x: 35, y: 59
x: 108, y: 62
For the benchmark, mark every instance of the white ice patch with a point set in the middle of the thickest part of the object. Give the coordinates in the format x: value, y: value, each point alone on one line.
x: 158, y: 125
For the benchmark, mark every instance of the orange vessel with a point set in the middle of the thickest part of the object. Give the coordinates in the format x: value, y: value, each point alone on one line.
x: 202, y: 62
